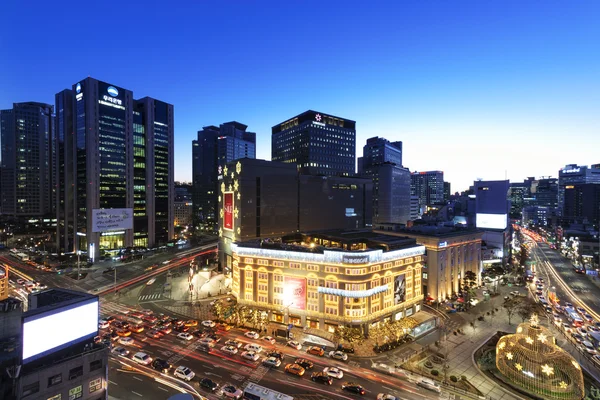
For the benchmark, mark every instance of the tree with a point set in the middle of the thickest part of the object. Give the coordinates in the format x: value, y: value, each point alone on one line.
x: 470, y: 279
x: 377, y: 333
x: 217, y: 310
x: 349, y: 334
x: 526, y: 308
x: 511, y: 306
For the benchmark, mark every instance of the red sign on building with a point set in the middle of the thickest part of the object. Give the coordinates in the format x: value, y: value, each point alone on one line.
x: 294, y: 292
x: 228, y: 211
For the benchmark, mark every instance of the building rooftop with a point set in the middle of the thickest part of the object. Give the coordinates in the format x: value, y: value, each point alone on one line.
x: 53, y: 298
x: 434, y: 230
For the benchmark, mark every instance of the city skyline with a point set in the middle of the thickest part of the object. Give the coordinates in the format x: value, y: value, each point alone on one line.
x: 477, y: 91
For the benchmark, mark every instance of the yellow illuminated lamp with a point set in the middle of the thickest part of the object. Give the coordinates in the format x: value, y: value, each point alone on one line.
x: 575, y: 364
x: 519, y: 330
x: 235, y: 185
x: 222, y: 186
x: 219, y: 198
x: 236, y: 212
x: 239, y: 230
x: 230, y: 188
x: 232, y: 174
x: 529, y: 340
x: 221, y: 213
x: 542, y: 338
x: 220, y: 232
x: 238, y: 167
x: 509, y: 356
x: 239, y: 196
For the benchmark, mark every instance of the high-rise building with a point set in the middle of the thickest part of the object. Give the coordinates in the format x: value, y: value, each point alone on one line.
x: 415, y: 211
x: 115, y: 154
x: 491, y: 215
x: 319, y: 144
x: 573, y: 174
x: 582, y: 204
x: 214, y: 148
x: 447, y: 191
x: 545, y: 192
x: 26, y: 133
x: 428, y: 187
x: 517, y: 193
x: 382, y: 163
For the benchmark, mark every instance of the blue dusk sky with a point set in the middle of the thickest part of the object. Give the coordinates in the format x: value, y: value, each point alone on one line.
x: 478, y: 89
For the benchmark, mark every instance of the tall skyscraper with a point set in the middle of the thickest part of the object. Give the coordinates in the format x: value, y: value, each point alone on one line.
x: 428, y: 187
x: 573, y: 174
x: 582, y: 204
x: 447, y: 191
x: 382, y: 162
x: 26, y: 133
x: 545, y: 192
x: 214, y: 148
x: 319, y: 144
x: 116, y: 153
x: 517, y: 193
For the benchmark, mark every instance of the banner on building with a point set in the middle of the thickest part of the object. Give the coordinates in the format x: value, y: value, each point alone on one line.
x: 228, y: 210
x: 399, y: 289
x: 294, y: 292
x: 110, y: 219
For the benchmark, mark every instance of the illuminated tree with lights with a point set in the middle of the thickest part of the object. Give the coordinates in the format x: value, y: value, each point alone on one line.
x: 531, y: 360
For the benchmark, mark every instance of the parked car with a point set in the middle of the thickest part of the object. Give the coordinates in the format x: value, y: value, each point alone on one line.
x: 294, y: 344
x: 338, y: 355
x: 183, y: 372
x: 317, y: 351
x: 276, y: 354
x: 271, y: 362
x: 345, y: 348
x: 252, y: 335
x: 588, y: 347
x: 321, y: 377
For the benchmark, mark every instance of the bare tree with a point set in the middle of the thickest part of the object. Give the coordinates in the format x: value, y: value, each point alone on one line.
x: 511, y: 306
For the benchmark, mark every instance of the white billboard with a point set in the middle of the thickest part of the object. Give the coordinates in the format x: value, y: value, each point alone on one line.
x: 491, y: 221
x: 57, y: 329
x: 110, y: 219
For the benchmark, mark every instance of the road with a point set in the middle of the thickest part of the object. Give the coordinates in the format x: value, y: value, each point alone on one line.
x: 227, y: 369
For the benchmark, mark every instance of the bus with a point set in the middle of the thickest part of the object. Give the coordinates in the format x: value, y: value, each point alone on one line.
x: 21, y: 256
x: 256, y: 392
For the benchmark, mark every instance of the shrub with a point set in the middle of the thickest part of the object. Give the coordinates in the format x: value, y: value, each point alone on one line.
x: 463, y: 378
x: 435, y: 372
x: 453, y: 378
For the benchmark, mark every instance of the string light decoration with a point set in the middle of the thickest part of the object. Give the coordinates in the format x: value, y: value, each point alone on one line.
x: 531, y: 360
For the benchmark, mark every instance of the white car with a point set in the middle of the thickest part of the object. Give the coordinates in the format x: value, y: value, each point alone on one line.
x: 272, y: 362
x: 269, y: 339
x: 295, y: 345
x: 142, y: 358
x: 209, y: 323
x: 120, y: 351
x: 234, y: 343
x: 582, y: 331
x: 185, y: 336
x: 102, y: 324
x: 429, y: 385
x: 127, y: 341
x: 250, y: 355
x: 207, y: 342
x: 338, y: 355
x: 567, y: 327
x: 334, y: 372
x: 253, y: 347
x: 588, y: 347
x: 183, y: 372
x: 383, y: 396
x: 231, y: 392
x: 252, y: 335
x: 229, y: 350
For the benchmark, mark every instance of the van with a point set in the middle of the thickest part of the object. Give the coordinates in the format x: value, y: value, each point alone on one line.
x: 429, y: 385
x: 134, y: 320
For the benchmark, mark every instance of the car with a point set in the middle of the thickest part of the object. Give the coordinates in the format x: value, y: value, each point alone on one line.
x: 334, y: 372
x: 548, y: 309
x: 250, y: 355
x: 229, y: 350
x: 142, y: 358
x: 567, y: 327
x: 269, y: 339
x: 150, y: 318
x: 232, y: 392
x: 338, y: 355
x: 294, y: 344
x: 136, y: 314
x: 207, y: 342
x: 181, y: 328
x: 568, y: 305
x: 294, y: 369
x: 185, y: 336
x: 110, y: 319
x: 304, y: 363
x: 582, y: 331
x: 276, y: 354
x: 234, y: 343
x: 191, y: 323
x: 540, y: 287
x: 176, y: 322
x: 353, y: 387
x: 154, y: 334
x: 224, y: 327
x: 137, y: 328
x: 161, y: 365
x: 539, y: 292
x: 183, y: 372
x: 271, y: 362
x: 164, y: 329
x: 120, y: 324
x: 120, y: 351
x: 384, y: 396
x: 581, y: 310
x: 147, y: 312
x: 321, y: 377
x: 252, y: 335
x: 209, y: 384
x: 208, y: 324
x: 588, y: 318
x: 103, y: 324
x: 578, y: 338
x: 127, y: 341
x: 345, y: 348
x: 315, y: 350
x: 593, y: 328
x: 114, y: 336
x: 588, y: 347
x: 429, y: 385
x: 20, y: 281
x: 216, y: 338
x: 253, y: 347
x: 123, y: 332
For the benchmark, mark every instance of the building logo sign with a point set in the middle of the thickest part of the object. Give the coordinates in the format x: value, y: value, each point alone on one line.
x: 346, y: 259
x: 294, y: 292
x: 228, y: 211
x: 318, y: 117
x: 112, y: 91
x: 442, y: 244
x: 571, y: 171
x: 78, y: 88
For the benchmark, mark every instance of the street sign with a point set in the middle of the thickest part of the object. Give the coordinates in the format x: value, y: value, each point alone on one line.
x: 290, y: 326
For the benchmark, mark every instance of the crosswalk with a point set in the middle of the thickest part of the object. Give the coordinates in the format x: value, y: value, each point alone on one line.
x: 150, y: 297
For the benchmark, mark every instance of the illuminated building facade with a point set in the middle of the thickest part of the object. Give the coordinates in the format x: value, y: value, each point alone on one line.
x: 450, y: 253
x: 4, y: 287
x: 428, y: 186
x: 26, y: 133
x: 259, y: 199
x: 113, y: 152
x: 331, y: 278
x: 317, y: 143
x: 573, y: 174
